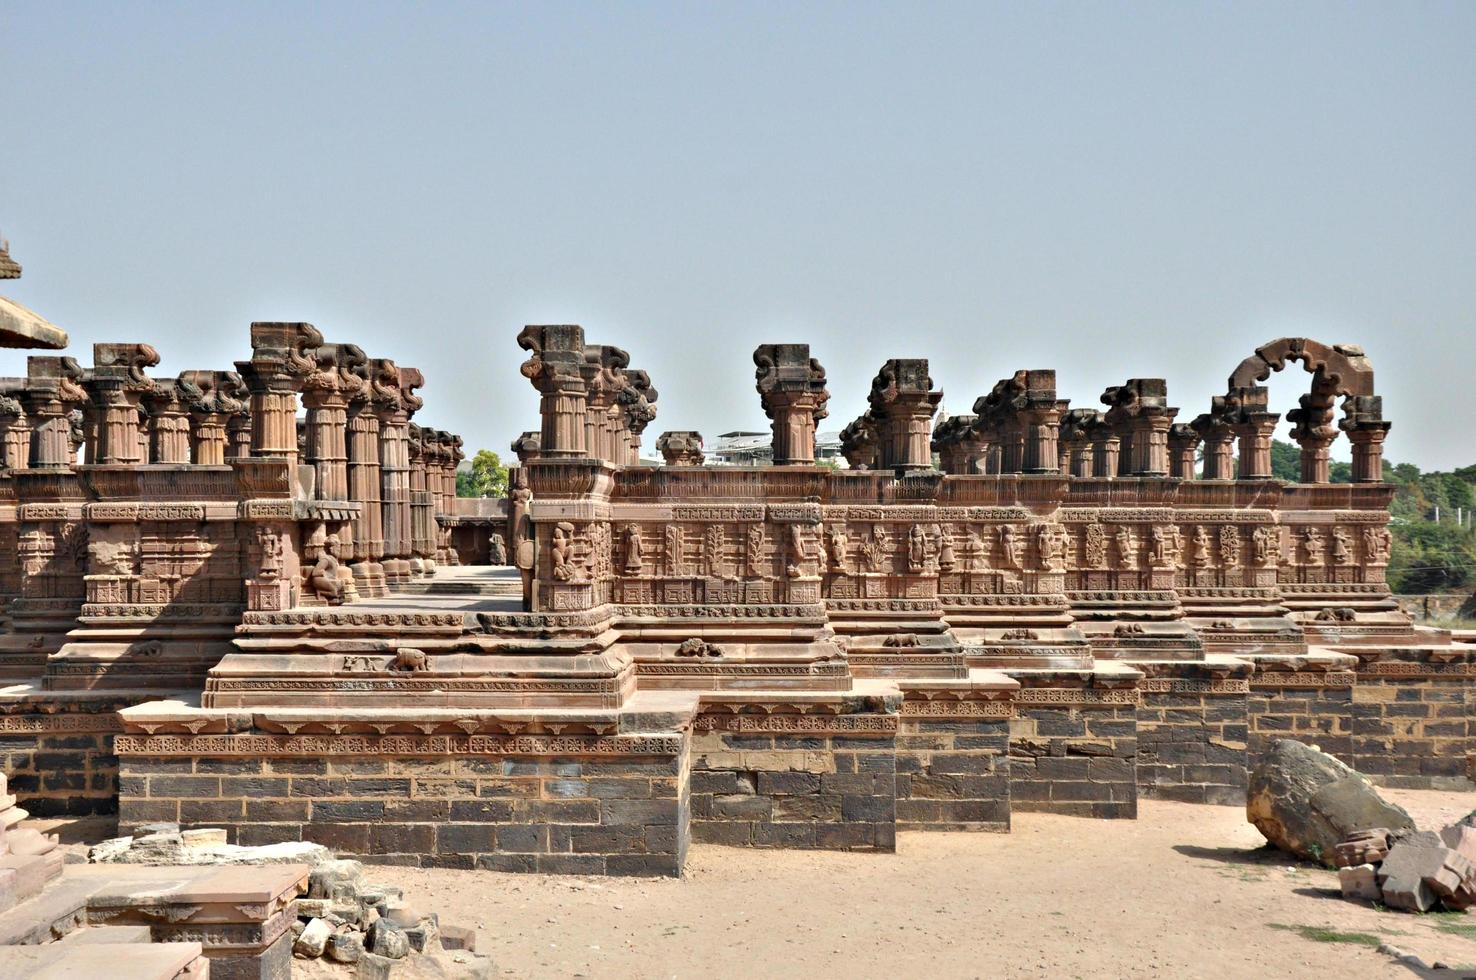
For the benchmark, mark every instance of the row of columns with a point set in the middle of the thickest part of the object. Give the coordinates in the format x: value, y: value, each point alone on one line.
x: 592, y: 403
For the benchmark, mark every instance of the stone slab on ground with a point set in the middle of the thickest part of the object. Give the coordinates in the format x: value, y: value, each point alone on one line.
x: 68, y: 961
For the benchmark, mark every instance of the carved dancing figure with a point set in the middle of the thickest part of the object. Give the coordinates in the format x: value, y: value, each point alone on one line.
x: 1376, y: 545
x: 1313, y: 545
x: 973, y: 551
x: 947, y: 560
x: 1009, y: 546
x: 1159, y: 547
x: 1342, y: 547
x: 1262, y: 539
x: 839, y: 549
x: 799, y: 552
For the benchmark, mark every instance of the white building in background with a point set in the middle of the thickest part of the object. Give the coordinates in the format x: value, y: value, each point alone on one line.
x: 756, y: 449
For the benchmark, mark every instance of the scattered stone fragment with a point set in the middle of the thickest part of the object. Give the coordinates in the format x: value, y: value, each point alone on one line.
x: 1306, y: 802
x: 459, y: 937
x: 337, y: 880
x: 204, y: 837
x: 388, y: 941
x: 346, y: 947
x: 425, y: 936
x: 1461, y: 838
x: 313, y: 940
x: 1362, y: 847
x: 109, y: 850
x: 1405, y: 874
x: 1360, y: 882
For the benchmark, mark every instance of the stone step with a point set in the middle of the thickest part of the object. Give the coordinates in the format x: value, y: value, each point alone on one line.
x: 109, y: 935
x: 151, y: 961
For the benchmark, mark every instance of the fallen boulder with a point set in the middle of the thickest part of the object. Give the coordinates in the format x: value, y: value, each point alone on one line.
x: 1305, y: 802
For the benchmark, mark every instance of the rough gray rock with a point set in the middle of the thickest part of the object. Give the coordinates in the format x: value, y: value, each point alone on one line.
x: 338, y: 880
x: 313, y: 940
x: 346, y: 947
x: 1305, y: 802
x: 387, y: 941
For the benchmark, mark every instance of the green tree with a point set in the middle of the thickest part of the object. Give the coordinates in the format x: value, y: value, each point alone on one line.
x: 487, y: 477
x: 1286, y: 461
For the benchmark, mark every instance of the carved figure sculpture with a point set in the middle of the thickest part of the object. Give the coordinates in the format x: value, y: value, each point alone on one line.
x: 271, y: 552
x: 973, y: 551
x: 1376, y: 545
x: 409, y: 660
x: 323, y: 578
x: 1202, y: 546
x: 1263, y: 540
x: 1313, y: 545
x: 562, y: 551
x: 1342, y: 547
x: 839, y: 548
x: 522, y: 532
x: 1010, y: 547
x: 1122, y: 538
x: 496, y: 549
x: 947, y: 560
x: 917, y: 549
x: 799, y: 553
x: 634, y: 562
x: 1158, y: 543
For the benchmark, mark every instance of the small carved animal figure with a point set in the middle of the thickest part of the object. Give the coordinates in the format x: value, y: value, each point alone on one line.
x: 409, y: 660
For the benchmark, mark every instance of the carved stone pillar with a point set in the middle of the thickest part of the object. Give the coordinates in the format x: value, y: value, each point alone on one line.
x: 326, y: 395
x: 1366, y: 430
x: 903, y: 403
x: 52, y: 391
x: 1040, y: 429
x: 211, y: 398
x: 364, y: 487
x: 422, y: 505
x: 1106, y: 448
x: 1314, y: 431
x: 238, y: 431
x: 283, y: 357
x: 1076, y: 441
x: 15, y: 434
x: 1140, y: 413
x: 603, y: 371
x: 394, y: 470
x: 791, y: 386
x: 556, y: 370
x: 1183, y: 444
x: 116, y: 385
x: 958, y: 446
x: 1255, y: 432
x: 1219, y: 452
x: 169, y: 423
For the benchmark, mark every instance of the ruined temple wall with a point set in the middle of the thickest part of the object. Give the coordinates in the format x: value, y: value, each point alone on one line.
x: 953, y: 765
x: 1192, y: 733
x: 1412, y: 716
x: 1074, y: 744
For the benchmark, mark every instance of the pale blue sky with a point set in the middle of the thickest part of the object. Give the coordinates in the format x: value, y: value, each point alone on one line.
x: 1111, y: 190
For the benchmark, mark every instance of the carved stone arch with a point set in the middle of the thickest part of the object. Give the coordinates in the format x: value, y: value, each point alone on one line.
x: 1338, y: 371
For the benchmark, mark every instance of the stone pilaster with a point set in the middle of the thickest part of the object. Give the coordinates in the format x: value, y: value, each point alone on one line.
x: 116, y: 385
x: 282, y: 359
x: 903, y: 403
x: 556, y: 370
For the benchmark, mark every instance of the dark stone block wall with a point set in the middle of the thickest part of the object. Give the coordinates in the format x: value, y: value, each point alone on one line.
x: 1412, y: 716
x: 953, y: 766
x: 1311, y: 706
x: 605, y: 813
x: 1192, y: 730
x: 1073, y: 750
x: 57, y: 752
x: 829, y: 788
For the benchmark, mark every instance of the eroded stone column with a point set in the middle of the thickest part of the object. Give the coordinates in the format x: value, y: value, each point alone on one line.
x: 791, y: 385
x: 903, y: 403
x: 556, y: 370
x: 116, y: 385
x: 1183, y: 444
x: 1219, y: 452
x: 1367, y: 430
x: 212, y: 399
x: 283, y: 358
x: 52, y: 390
x: 169, y: 424
x: 364, y: 487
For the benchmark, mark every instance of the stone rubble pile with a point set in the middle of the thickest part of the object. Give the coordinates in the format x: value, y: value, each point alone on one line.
x: 347, y: 920
x: 165, y: 843
x: 1414, y: 870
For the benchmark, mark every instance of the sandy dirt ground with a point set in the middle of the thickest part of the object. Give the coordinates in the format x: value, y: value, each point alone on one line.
x: 1184, y: 891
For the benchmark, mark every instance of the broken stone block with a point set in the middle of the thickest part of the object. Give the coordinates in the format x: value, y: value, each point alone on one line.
x: 338, y: 880
x: 1306, y: 802
x: 204, y: 837
x: 1405, y: 874
x: 1461, y: 838
x: 144, y: 830
x: 313, y: 940
x: 1360, y: 882
x: 459, y: 937
x: 424, y: 936
x: 346, y: 947
x: 387, y: 941
x: 375, y: 967
x: 314, y: 908
x: 1362, y: 847
x: 400, y: 915
x: 156, y: 849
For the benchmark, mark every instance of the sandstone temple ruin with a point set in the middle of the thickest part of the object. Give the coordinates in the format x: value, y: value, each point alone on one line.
x: 231, y: 599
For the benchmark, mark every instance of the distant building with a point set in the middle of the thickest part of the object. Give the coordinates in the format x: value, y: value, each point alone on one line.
x: 756, y: 449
